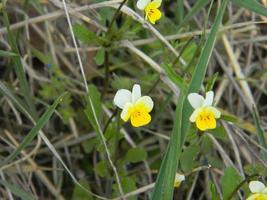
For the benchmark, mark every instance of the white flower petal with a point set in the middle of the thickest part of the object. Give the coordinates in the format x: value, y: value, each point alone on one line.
x: 136, y: 93
x: 256, y: 186
x: 147, y: 101
x: 209, y: 98
x: 264, y: 191
x: 125, y: 114
x: 179, y: 177
x: 141, y: 4
x: 215, y: 111
x: 195, y: 100
x: 194, y: 115
x: 122, y: 97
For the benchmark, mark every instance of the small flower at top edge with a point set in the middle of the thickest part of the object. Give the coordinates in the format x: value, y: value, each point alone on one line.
x: 152, y: 13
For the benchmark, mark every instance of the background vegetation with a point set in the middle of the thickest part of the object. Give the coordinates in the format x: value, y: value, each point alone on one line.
x: 61, y: 63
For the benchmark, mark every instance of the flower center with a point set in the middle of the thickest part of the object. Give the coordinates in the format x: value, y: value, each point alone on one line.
x: 205, y: 120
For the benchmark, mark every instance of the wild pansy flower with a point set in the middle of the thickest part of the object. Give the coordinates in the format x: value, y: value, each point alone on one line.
x: 151, y: 9
x: 258, y: 189
x: 205, y: 114
x: 134, y: 106
x: 179, y: 178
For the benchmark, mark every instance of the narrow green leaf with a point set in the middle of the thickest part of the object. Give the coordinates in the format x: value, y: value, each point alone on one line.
x: 260, y: 132
x: 164, y: 184
x: 195, y: 9
x: 89, y: 110
x: 165, y: 181
x: 17, y: 191
x: 252, y: 5
x: 35, y: 130
x: 7, y: 54
x: 201, y: 67
x: 24, y: 86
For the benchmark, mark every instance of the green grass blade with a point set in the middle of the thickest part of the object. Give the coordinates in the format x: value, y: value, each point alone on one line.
x: 17, y: 191
x: 7, y: 54
x: 164, y: 184
x: 35, y: 130
x: 201, y: 67
x: 165, y: 181
x: 260, y: 132
x: 195, y: 9
x: 24, y: 86
x: 251, y: 5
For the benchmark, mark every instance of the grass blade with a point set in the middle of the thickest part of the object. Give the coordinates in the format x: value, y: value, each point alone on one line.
x: 260, y: 132
x: 35, y: 130
x: 164, y: 184
x: 251, y: 5
x: 24, y: 86
x: 17, y: 191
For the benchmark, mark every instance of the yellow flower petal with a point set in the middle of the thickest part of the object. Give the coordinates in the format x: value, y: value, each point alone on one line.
x: 155, y: 4
x: 154, y: 15
x: 205, y: 120
x: 140, y: 119
x: 258, y: 196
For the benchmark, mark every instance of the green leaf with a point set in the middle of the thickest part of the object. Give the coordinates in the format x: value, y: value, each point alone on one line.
x: 79, y: 193
x: 96, y: 109
x: 164, y: 185
x: 7, y: 54
x: 19, y: 69
x: 194, y: 10
x: 17, y: 191
x: 135, y: 155
x: 35, y: 130
x: 252, y: 5
x: 188, y: 157
x: 128, y: 185
x: 260, y: 132
x: 230, y: 181
x: 214, y: 193
x: 100, y: 57
x: 84, y: 34
x: 102, y: 169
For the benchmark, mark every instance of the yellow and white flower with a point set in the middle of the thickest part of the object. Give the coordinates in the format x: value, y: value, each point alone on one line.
x: 134, y: 106
x: 179, y: 178
x: 205, y: 114
x: 151, y: 9
x: 258, y: 189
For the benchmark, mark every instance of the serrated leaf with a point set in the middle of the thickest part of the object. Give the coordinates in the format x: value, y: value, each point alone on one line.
x: 100, y: 57
x: 188, y: 157
x: 231, y: 179
x: 84, y: 34
x: 79, y: 193
x: 128, y: 185
x: 135, y: 155
x: 101, y: 169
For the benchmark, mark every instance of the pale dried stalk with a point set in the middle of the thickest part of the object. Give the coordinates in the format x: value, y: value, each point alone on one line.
x: 91, y: 103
